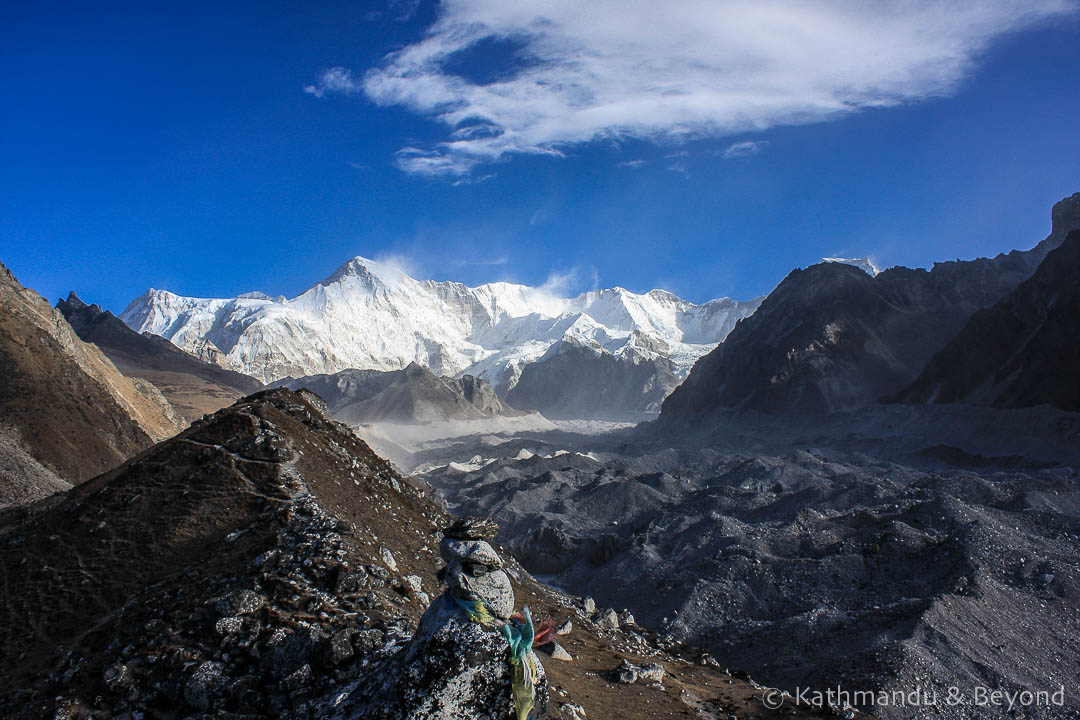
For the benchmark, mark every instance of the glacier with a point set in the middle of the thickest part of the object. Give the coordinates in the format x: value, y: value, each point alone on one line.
x: 372, y: 316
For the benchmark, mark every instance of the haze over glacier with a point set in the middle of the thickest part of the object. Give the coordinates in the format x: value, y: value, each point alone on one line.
x: 372, y: 315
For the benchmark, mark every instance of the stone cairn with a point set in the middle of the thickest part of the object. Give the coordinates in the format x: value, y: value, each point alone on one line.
x: 459, y: 662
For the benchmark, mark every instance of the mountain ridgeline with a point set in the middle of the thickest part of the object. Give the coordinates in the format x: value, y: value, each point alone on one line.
x: 193, y: 386
x: 832, y: 338
x: 370, y: 315
x: 67, y: 412
x: 1022, y: 351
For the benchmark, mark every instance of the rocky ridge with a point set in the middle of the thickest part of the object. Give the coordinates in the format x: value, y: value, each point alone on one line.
x: 409, y: 396
x: 192, y: 386
x: 265, y: 563
x: 65, y: 406
x: 833, y: 338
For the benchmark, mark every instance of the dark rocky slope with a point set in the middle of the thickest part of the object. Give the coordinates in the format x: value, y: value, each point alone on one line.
x: 577, y: 381
x: 266, y: 564
x: 194, y: 387
x: 412, y: 395
x: 832, y: 338
x: 1022, y: 351
x: 810, y: 567
x: 62, y: 402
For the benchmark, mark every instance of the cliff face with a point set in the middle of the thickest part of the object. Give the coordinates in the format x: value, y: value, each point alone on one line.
x: 1022, y: 351
x: 831, y: 337
x: 576, y: 381
x: 413, y: 395
x: 62, y: 400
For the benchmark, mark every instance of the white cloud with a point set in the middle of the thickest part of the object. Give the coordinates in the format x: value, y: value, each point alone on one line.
x: 611, y: 69
x: 334, y: 80
x: 633, y: 164
x: 567, y: 283
x: 746, y: 148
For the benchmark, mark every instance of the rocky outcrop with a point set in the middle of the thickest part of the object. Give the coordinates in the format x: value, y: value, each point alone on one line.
x: 63, y: 401
x: 458, y: 664
x: 414, y: 395
x: 194, y: 387
x: 1022, y: 351
x: 831, y: 337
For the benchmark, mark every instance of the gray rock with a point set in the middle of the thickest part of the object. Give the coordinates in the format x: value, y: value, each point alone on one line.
x: 229, y: 626
x: 572, y: 712
x: 388, y: 559
x: 452, y: 668
x: 470, y: 551
x: 118, y: 678
x: 653, y: 672
x: 566, y: 628
x: 295, y: 650
x: 366, y: 641
x: 559, y: 653
x: 493, y: 587
x: 301, y: 677
x: 626, y: 618
x: 627, y: 673
x: 412, y: 583
x: 589, y: 605
x: 341, y: 648
x: 240, y: 602
x: 206, y: 684
x: 607, y: 619
x: 472, y: 528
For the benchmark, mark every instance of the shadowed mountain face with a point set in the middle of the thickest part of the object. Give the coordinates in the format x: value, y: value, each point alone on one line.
x: 266, y: 564
x: 62, y: 402
x: 832, y: 338
x: 192, y: 386
x: 576, y: 381
x: 413, y: 395
x: 1022, y: 351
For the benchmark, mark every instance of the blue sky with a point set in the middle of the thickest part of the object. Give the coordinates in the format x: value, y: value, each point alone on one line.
x: 214, y: 150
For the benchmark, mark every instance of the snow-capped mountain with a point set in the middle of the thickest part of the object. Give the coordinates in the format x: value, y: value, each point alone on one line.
x: 371, y: 315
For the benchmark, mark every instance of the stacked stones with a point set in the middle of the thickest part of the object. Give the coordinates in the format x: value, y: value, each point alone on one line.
x: 473, y: 569
x: 453, y: 667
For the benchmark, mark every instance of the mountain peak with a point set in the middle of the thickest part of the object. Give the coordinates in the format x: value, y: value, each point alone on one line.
x: 863, y: 263
x: 370, y: 272
x: 1065, y: 215
x: 73, y: 301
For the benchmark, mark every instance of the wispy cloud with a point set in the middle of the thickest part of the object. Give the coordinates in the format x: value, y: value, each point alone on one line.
x: 501, y: 260
x: 334, y: 80
x: 472, y: 180
x: 746, y: 148
x: 403, y: 10
x: 633, y: 164
x: 567, y: 283
x: 610, y: 70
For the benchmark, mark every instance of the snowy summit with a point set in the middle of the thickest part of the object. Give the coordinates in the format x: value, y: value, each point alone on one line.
x: 372, y: 315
